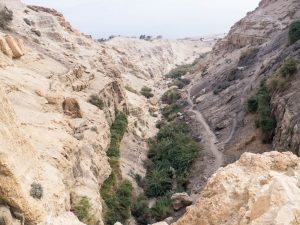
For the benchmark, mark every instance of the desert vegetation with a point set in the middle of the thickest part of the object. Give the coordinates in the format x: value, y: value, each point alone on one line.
x: 171, y: 96
x: 117, y: 194
x: 96, y: 101
x: 82, y: 210
x: 171, y: 153
x: 260, y: 104
x: 147, y: 92
x: 36, y: 191
x: 294, y: 32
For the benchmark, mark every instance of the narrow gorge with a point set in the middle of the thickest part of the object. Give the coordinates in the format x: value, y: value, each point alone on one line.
x: 137, y: 131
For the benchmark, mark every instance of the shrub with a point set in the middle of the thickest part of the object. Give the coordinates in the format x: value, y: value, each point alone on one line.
x: 96, y: 101
x: 158, y: 180
x: 289, y: 68
x: 252, y: 104
x: 6, y: 16
x: 171, y: 148
x: 147, y: 92
x: 118, y: 204
x: 117, y: 196
x: 171, y: 96
x: 179, y: 71
x: 181, y: 83
x: 141, y: 211
x: 294, y: 32
x: 82, y: 209
x: 117, y: 131
x: 170, y: 111
x: 159, y: 124
x: 277, y: 83
x: 131, y: 89
x: 221, y: 87
x: 36, y: 191
x: 265, y: 120
x: 162, y: 208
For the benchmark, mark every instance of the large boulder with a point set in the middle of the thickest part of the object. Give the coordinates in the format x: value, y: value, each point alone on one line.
x: 180, y: 200
x: 255, y: 190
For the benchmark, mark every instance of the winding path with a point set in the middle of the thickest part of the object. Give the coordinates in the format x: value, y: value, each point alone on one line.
x: 209, y: 142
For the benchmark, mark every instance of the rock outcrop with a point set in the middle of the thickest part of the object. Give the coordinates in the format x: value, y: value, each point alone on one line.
x: 12, y: 47
x: 180, y: 200
x: 255, y: 190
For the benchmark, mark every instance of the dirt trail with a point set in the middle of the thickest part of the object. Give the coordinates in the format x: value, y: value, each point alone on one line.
x: 210, y: 143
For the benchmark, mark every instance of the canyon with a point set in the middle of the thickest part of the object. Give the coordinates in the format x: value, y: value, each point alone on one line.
x: 61, y: 91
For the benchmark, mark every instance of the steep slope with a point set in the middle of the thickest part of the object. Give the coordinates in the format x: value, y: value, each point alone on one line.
x: 53, y: 141
x: 255, y: 49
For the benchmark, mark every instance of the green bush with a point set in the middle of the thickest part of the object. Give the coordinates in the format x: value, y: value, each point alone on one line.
x: 158, y: 180
x: 159, y: 124
x: 174, y: 148
x: 82, y: 209
x: 181, y: 83
x: 117, y: 196
x: 96, y: 101
x: 294, y: 32
x: 141, y: 210
x: 6, y: 16
x: 289, y: 68
x: 170, y: 111
x: 252, y: 104
x: 147, y: 92
x: 131, y: 89
x: 179, y: 71
x: 162, y: 208
x: 117, y: 132
x: 36, y: 190
x: 171, y: 96
x: 265, y: 120
x: 118, y: 204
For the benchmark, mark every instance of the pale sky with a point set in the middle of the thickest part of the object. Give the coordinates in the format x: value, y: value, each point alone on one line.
x: 170, y: 18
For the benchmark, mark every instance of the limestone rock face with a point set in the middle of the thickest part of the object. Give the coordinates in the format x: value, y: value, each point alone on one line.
x: 257, y: 189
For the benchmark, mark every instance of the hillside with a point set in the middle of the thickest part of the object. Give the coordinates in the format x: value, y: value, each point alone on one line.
x: 53, y: 140
x: 191, y: 131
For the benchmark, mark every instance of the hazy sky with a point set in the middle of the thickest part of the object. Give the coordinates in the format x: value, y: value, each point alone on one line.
x: 170, y: 18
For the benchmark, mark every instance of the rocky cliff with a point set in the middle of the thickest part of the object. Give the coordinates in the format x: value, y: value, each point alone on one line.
x: 53, y: 140
x: 250, y: 61
x: 254, y: 50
